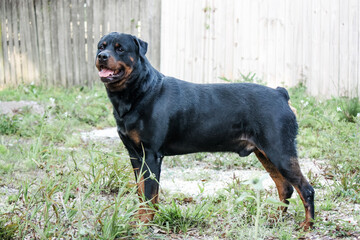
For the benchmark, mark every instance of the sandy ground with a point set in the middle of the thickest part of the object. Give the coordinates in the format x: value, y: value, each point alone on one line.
x: 12, y: 107
x: 199, y: 179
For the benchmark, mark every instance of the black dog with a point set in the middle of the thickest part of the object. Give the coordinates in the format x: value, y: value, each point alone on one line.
x: 159, y: 116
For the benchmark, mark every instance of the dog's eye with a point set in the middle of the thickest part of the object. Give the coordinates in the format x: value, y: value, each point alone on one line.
x: 101, y: 47
x: 119, y: 49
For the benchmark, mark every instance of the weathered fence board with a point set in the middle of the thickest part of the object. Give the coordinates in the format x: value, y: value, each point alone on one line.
x: 283, y: 42
x: 54, y: 42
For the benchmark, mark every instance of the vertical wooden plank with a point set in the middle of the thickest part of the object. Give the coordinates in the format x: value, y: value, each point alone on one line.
x: 344, y: 48
x: 97, y: 21
x: 114, y: 11
x: 54, y: 43
x: 197, y: 24
x: 39, y: 10
x: 67, y: 54
x: 120, y: 12
x: 75, y: 9
x: 353, y: 48
x: 47, y: 42
x: 104, y: 23
x: 229, y: 40
x: 3, y: 45
x: 271, y: 44
x: 16, y: 52
x: 358, y: 64
x: 188, y: 61
x: 298, y: 44
x: 90, y: 43
x: 207, y: 64
x: 81, y: 43
x: 34, y: 57
x: 279, y: 43
x: 307, y: 42
x: 263, y: 37
x: 334, y: 22
x: 60, y: 7
x: 24, y: 48
x: 180, y: 43
x: 238, y: 39
x: 324, y: 84
x: 254, y: 35
x: 312, y: 84
x: 150, y: 25
x: 12, y: 75
x: 289, y: 41
x: 135, y: 16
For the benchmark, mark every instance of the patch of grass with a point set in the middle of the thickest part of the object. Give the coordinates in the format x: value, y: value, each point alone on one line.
x: 62, y: 187
x: 9, y: 124
x: 175, y: 218
x: 7, y: 230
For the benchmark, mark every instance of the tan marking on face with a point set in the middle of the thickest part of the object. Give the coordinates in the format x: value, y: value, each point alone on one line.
x: 117, y: 45
x: 117, y: 65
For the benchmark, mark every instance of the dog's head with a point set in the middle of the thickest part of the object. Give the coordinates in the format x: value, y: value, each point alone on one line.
x: 117, y: 57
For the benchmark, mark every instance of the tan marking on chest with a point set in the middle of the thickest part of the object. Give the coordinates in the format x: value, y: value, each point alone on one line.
x: 134, y: 136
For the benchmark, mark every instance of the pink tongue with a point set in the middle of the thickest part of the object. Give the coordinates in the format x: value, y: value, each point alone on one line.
x: 106, y: 73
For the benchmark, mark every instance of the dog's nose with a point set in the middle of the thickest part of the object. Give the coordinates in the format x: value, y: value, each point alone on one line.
x: 103, y: 56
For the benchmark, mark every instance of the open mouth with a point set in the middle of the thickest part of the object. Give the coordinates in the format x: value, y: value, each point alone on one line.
x: 110, y: 76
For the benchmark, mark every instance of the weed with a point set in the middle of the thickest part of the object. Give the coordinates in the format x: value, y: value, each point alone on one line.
x: 9, y: 125
x: 7, y: 230
x: 174, y: 218
x: 349, y: 110
x: 85, y: 190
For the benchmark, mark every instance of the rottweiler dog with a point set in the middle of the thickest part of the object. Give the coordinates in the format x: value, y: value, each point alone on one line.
x: 159, y: 116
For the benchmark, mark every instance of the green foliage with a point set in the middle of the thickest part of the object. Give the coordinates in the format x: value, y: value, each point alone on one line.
x: 350, y: 109
x: 174, y: 219
x: 7, y: 230
x: 62, y: 187
x: 9, y: 124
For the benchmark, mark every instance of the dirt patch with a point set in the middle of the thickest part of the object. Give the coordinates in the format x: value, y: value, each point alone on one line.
x: 107, y: 134
x: 13, y: 107
x: 201, y: 179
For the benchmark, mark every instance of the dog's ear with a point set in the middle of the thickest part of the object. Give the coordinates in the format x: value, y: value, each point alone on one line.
x: 142, y: 45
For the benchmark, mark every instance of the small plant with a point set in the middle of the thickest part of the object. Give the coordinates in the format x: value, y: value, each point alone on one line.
x: 7, y: 230
x: 174, y: 218
x: 9, y: 125
x: 349, y: 110
x: 256, y: 184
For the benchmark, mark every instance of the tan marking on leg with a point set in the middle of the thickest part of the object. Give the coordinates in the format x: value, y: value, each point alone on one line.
x: 281, y: 183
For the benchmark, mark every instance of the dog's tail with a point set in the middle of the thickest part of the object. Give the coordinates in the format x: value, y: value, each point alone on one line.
x: 284, y: 92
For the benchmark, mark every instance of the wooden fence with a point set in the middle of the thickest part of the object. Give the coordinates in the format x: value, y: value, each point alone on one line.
x: 283, y: 41
x: 55, y: 41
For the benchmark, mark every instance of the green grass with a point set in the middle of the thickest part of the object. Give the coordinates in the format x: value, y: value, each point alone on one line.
x: 54, y: 185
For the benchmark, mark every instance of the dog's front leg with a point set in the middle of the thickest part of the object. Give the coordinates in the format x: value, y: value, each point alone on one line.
x: 147, y: 174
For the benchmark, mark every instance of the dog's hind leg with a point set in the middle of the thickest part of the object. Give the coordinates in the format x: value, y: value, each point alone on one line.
x: 289, y: 169
x: 284, y: 188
